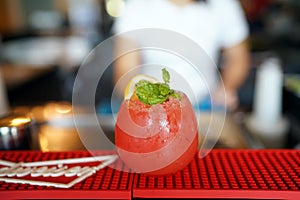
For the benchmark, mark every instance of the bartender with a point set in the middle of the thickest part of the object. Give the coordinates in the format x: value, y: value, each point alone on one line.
x: 219, y: 27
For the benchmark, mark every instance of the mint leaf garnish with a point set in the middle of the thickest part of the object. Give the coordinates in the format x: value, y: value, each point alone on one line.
x: 155, y: 93
x: 166, y: 76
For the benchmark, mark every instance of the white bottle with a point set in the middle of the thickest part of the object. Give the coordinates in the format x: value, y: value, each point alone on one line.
x: 268, y: 92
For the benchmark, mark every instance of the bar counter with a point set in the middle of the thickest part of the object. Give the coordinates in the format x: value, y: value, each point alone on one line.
x: 237, y: 167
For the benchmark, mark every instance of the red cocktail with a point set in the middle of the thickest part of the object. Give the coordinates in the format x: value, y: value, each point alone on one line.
x: 157, y: 139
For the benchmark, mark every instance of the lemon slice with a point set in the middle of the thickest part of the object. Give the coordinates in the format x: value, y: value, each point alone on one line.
x: 130, y: 87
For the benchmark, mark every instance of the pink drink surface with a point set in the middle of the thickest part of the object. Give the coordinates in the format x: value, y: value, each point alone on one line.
x: 159, y: 139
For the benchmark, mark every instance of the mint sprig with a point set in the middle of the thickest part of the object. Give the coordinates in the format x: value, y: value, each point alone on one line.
x: 155, y: 93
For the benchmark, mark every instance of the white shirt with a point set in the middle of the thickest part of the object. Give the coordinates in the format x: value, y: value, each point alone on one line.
x: 212, y: 25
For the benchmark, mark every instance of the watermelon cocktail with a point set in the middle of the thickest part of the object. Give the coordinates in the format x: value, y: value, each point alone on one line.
x: 156, y: 129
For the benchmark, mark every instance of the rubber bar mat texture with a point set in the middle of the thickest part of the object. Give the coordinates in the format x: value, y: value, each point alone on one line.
x: 232, y: 174
x: 223, y: 174
x: 106, y: 183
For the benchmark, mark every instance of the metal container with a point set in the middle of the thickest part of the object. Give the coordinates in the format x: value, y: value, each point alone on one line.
x: 16, y: 132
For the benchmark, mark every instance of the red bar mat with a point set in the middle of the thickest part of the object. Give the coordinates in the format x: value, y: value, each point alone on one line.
x: 229, y: 174
x: 239, y: 174
x: 106, y: 183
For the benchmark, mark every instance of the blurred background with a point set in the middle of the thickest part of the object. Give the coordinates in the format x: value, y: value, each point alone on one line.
x: 42, y: 44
